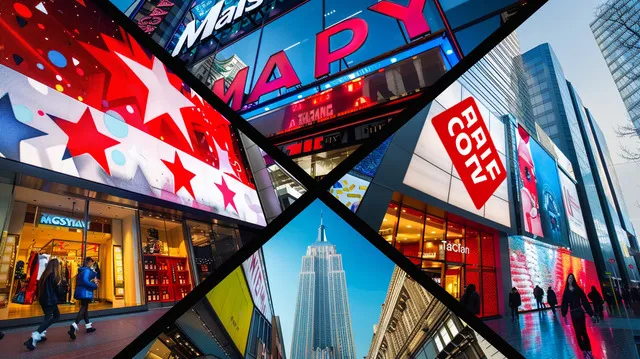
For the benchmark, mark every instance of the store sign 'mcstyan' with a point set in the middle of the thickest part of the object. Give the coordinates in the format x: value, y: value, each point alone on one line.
x: 411, y: 16
x: 61, y: 221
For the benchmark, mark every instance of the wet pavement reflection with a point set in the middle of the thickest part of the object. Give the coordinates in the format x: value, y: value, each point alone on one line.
x: 541, y: 335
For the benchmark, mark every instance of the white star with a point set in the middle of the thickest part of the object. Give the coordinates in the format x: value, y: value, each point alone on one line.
x: 223, y: 160
x: 163, y: 97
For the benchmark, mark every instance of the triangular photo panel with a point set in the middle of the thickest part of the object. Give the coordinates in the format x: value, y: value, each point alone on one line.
x: 318, y: 289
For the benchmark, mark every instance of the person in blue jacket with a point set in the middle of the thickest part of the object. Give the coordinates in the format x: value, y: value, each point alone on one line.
x: 86, y: 283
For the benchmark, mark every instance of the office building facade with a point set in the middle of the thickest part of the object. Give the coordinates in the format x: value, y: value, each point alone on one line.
x: 322, y: 319
x: 615, y: 31
x: 560, y: 113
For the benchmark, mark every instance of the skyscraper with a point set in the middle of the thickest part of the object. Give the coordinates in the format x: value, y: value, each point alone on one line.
x: 322, y: 322
x: 616, y: 31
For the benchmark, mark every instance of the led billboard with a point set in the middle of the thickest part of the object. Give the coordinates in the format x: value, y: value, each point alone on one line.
x: 536, y: 263
x: 231, y: 300
x: 256, y: 275
x: 572, y: 206
x: 85, y: 99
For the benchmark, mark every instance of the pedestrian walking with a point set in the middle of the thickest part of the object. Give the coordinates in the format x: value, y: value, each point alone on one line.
x: 576, y: 303
x: 538, y: 293
x: 471, y: 299
x: 598, y: 303
x: 86, y: 283
x: 50, y: 295
x: 552, y: 300
x: 515, y: 300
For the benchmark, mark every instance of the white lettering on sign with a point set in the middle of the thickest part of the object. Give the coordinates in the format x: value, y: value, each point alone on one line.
x: 216, y: 19
x: 61, y: 221
x: 315, y: 114
x: 256, y: 276
x: 455, y: 247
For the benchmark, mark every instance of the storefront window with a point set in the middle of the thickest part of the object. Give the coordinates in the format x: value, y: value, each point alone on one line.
x: 433, y: 237
x: 455, y: 238
x: 166, y: 266
x: 387, y: 230
x: 112, y: 241
x: 451, y: 254
x: 409, y: 237
x: 319, y: 164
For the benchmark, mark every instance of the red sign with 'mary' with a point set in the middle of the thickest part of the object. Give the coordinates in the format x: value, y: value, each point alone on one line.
x: 468, y: 142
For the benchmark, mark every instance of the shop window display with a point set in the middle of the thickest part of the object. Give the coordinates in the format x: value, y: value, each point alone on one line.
x: 166, y: 267
x: 452, y: 254
x: 212, y: 245
x: 44, y: 226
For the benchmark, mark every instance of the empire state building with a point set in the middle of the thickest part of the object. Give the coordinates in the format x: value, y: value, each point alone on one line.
x: 322, y: 322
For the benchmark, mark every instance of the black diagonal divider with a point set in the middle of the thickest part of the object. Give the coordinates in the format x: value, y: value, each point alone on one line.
x: 316, y: 189
x: 188, y: 78
x: 418, y: 275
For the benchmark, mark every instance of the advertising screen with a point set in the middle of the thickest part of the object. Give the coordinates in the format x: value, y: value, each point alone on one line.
x: 536, y: 263
x: 83, y: 98
x: 349, y: 190
x: 431, y: 171
x: 231, y: 300
x: 540, y: 193
x: 256, y: 275
x: 572, y: 206
x: 550, y: 195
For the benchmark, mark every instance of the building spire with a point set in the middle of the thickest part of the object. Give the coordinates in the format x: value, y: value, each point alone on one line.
x: 322, y: 237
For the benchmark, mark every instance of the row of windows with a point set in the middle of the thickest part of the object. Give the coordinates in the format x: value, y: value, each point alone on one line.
x: 630, y: 88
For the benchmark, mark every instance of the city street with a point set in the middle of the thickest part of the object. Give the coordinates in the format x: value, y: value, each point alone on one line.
x: 540, y: 335
x: 112, y: 335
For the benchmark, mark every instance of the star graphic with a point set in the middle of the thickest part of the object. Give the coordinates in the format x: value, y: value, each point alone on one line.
x: 223, y: 160
x: 163, y: 97
x: 181, y: 176
x: 84, y: 138
x: 227, y: 194
x: 13, y: 131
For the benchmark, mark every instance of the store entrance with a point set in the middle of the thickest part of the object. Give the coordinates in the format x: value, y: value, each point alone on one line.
x: 44, y: 226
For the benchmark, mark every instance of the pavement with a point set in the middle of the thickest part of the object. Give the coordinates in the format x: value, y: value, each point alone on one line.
x: 112, y: 334
x: 541, y: 335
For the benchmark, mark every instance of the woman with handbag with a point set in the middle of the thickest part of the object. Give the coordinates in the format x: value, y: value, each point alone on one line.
x: 50, y: 294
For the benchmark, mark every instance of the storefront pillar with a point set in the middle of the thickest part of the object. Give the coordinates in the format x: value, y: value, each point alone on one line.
x: 191, y: 254
x: 504, y: 267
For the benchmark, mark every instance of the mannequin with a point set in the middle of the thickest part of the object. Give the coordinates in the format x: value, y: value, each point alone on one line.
x: 43, y: 259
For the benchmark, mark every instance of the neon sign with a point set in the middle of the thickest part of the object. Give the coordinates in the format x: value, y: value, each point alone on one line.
x: 61, y: 221
x: 411, y: 16
x: 150, y: 23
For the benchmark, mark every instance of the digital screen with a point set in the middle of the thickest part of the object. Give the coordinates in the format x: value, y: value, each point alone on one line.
x: 349, y: 190
x: 550, y: 196
x: 83, y: 98
x: 536, y: 263
x: 572, y: 206
x: 540, y: 192
x: 256, y: 276
x: 231, y: 300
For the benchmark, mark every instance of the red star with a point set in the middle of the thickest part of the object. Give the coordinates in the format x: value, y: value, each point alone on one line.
x: 181, y: 176
x: 84, y: 138
x: 227, y: 195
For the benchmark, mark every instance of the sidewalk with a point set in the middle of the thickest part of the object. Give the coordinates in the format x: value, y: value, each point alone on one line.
x: 112, y: 335
x: 540, y: 335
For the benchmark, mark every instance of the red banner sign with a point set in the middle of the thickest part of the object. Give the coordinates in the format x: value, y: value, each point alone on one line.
x: 467, y: 140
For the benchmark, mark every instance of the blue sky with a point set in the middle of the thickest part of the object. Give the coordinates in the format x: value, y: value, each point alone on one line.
x: 367, y: 270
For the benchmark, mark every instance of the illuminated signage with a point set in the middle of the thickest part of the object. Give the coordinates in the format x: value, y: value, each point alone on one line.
x: 572, y: 206
x: 151, y: 22
x: 61, y: 221
x: 231, y: 301
x: 109, y: 112
x: 411, y: 16
x: 258, y: 284
x: 466, y: 138
x: 216, y: 19
x: 455, y: 247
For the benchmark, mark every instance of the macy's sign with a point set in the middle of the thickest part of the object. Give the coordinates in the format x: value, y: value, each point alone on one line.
x: 411, y: 16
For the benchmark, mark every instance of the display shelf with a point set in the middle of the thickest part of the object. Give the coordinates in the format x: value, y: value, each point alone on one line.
x: 167, y: 278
